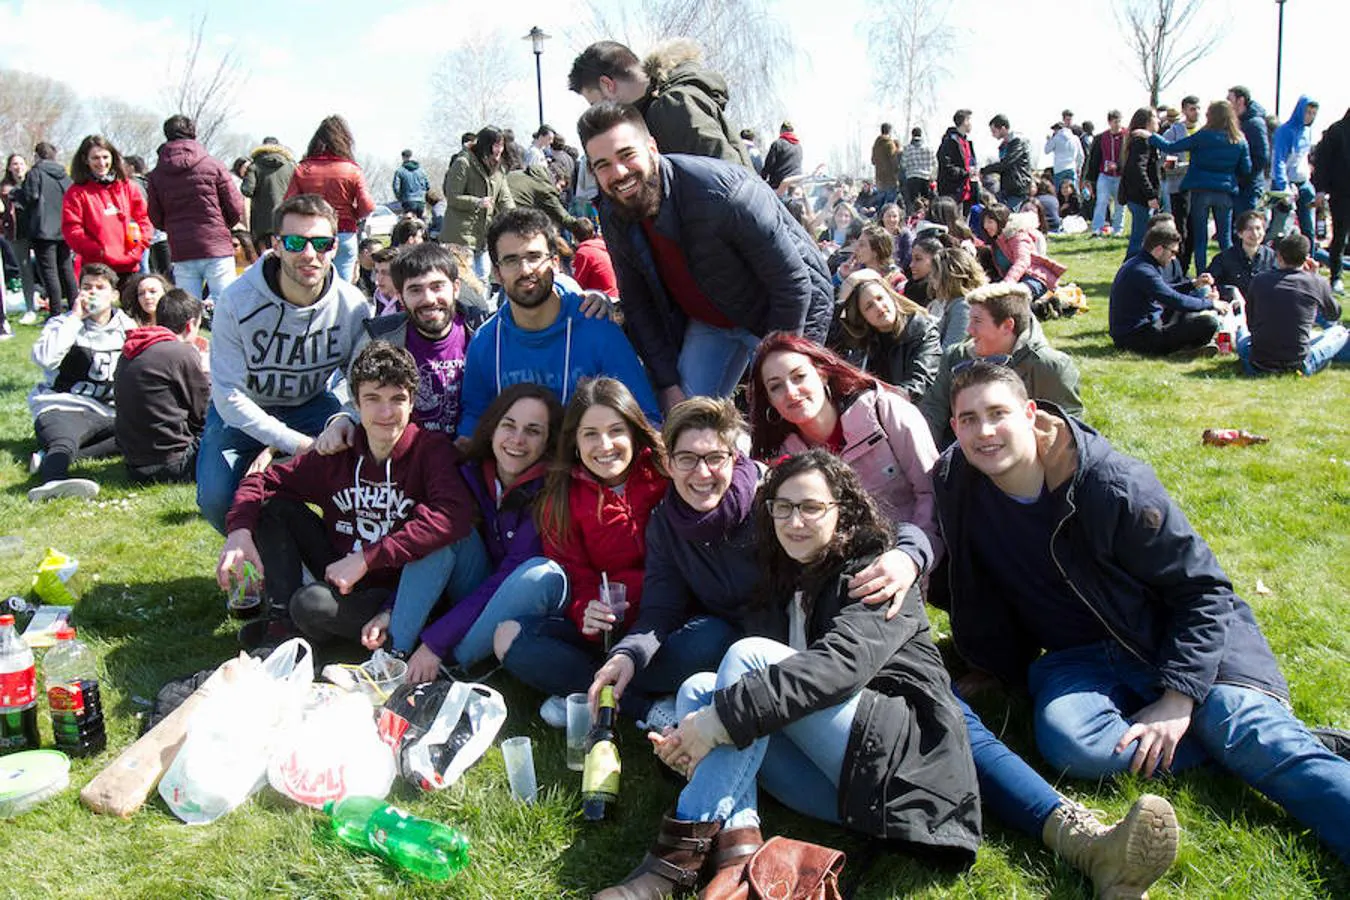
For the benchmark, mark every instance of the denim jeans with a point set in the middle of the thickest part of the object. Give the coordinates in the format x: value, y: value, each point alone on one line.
x: 1331, y: 345
x: 1306, y: 198
x: 1012, y: 790
x: 1139, y: 215
x: 1084, y: 697
x: 537, y: 587
x: 217, y: 273
x: 712, y: 359
x: 482, y: 266
x: 801, y: 764
x: 1064, y: 175
x: 1249, y: 196
x: 226, y: 453
x: 345, y: 260
x: 1107, y: 186
x: 1221, y: 202
x: 456, y: 568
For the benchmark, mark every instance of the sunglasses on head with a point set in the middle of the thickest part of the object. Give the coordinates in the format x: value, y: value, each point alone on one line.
x: 295, y: 243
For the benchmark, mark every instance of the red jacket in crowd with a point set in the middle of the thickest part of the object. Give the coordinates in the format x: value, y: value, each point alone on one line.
x: 340, y: 182
x: 593, y: 269
x: 107, y: 223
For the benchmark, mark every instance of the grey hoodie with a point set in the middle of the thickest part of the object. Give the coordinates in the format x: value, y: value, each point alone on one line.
x: 267, y: 352
x: 78, y: 357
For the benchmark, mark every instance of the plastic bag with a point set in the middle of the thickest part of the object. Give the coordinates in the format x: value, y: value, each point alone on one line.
x: 438, y: 730
x: 333, y: 752
x: 230, y: 736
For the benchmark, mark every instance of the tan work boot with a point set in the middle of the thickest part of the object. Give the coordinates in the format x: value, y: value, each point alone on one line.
x: 732, y: 849
x: 1121, y: 859
x: 672, y: 866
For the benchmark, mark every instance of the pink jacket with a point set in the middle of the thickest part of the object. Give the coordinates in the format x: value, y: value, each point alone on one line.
x: 1018, y: 243
x: 889, y: 445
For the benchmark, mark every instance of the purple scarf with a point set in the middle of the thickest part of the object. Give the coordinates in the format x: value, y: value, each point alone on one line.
x: 721, y: 519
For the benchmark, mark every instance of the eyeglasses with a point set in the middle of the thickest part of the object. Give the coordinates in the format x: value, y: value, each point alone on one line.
x: 529, y: 261
x: 688, y: 462
x: 295, y: 243
x: 996, y: 359
x: 809, y: 510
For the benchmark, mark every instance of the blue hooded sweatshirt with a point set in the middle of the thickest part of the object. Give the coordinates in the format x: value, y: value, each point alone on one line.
x: 572, y: 348
x: 1293, y: 143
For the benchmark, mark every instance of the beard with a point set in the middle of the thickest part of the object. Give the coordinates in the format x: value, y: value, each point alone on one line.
x: 529, y: 298
x: 644, y: 204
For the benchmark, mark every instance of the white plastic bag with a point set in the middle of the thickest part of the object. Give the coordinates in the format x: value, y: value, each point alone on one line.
x: 230, y: 736
x: 439, y: 729
x: 334, y: 751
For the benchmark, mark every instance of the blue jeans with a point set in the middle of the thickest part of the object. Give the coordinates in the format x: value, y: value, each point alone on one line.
x: 1012, y: 790
x: 1107, y: 186
x: 1084, y: 697
x: 1249, y: 196
x: 712, y: 359
x: 800, y: 764
x: 482, y: 266
x: 1221, y: 202
x: 347, y: 250
x: 1333, y: 344
x: 457, y: 568
x: 216, y: 273
x: 1064, y: 175
x: 1306, y: 197
x: 1139, y: 215
x: 225, y: 453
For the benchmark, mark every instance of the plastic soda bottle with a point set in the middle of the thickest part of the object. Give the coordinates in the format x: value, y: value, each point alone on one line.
x: 417, y: 846
x: 18, y: 691
x: 71, y: 676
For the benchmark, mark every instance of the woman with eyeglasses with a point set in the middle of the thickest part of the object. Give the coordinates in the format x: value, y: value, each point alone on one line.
x: 887, y: 334
x: 840, y: 712
x: 803, y: 395
x: 608, y: 475
x: 104, y: 217
x: 329, y: 169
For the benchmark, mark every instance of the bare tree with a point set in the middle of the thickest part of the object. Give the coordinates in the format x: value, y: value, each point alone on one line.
x: 1159, y: 36
x: 132, y: 129
x: 35, y: 108
x: 204, y: 87
x: 909, y: 43
x: 379, y: 175
x: 475, y: 84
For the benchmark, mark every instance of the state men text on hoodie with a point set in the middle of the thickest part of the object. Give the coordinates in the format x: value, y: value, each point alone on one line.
x: 266, y: 352
x: 78, y: 358
x: 164, y: 394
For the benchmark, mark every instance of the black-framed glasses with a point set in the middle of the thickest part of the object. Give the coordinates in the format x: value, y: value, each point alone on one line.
x: 809, y: 510
x: 995, y: 359
x: 687, y: 461
x: 295, y: 243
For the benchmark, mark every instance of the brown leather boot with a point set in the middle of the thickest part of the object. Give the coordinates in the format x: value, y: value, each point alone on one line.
x: 732, y: 849
x: 672, y: 866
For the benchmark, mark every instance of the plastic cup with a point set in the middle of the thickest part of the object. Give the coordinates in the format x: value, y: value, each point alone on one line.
x: 615, y: 596
x: 578, y: 726
x: 519, y: 758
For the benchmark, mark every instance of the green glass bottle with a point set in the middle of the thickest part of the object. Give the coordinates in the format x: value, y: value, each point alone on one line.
x: 600, y: 775
x: 417, y: 846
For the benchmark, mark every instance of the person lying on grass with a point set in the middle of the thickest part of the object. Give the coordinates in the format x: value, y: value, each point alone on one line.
x: 393, y: 497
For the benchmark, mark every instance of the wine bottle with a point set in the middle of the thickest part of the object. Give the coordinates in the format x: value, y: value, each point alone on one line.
x: 600, y: 774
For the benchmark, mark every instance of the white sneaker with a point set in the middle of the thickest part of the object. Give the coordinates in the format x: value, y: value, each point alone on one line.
x: 1338, y: 287
x: 35, y: 462
x: 660, y: 716
x: 64, y: 487
x: 28, y: 318
x: 554, y: 712
x: 6, y: 331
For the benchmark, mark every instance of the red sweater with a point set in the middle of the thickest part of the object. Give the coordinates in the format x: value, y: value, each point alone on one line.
x: 593, y: 269
x: 340, y: 182
x: 608, y: 534
x: 395, y: 511
x: 94, y: 221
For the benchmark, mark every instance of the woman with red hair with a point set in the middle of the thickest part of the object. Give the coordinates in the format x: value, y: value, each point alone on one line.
x: 804, y: 396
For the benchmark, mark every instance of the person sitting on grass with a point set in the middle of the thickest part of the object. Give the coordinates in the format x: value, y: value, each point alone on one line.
x: 164, y: 392
x: 1282, y: 308
x: 1233, y: 269
x: 392, y: 498
x: 1151, y: 317
x: 1003, y: 332
x: 365, y: 265
x: 72, y: 405
x: 1073, y: 573
x: 886, y: 334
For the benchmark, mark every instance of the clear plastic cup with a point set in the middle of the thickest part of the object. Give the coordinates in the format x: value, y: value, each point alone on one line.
x: 578, y: 726
x: 615, y: 596
x: 518, y: 755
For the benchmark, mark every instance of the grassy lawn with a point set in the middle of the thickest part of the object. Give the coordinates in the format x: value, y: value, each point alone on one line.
x: 1278, y: 515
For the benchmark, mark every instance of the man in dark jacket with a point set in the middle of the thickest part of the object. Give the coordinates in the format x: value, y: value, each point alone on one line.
x: 885, y: 165
x: 1148, y: 315
x: 683, y: 103
x: 1072, y: 572
x: 410, y: 185
x: 193, y: 199
x: 265, y: 182
x: 708, y: 260
x: 44, y: 190
x: 1282, y: 307
x: 1331, y: 177
x: 956, y: 162
x: 1252, y: 116
x: 164, y: 392
x: 784, y: 158
x: 1013, y: 166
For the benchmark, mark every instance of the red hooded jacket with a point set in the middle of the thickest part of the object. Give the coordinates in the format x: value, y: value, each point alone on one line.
x: 95, y: 219
x: 340, y: 182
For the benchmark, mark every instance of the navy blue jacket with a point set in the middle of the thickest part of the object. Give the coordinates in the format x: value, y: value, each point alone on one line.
x: 751, y: 259
x: 1139, y: 294
x: 1232, y: 267
x: 1128, y: 553
x: 1216, y: 163
x: 1254, y: 129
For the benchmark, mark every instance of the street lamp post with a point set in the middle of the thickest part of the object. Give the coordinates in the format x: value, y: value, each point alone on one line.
x: 1279, y: 58
x: 536, y: 37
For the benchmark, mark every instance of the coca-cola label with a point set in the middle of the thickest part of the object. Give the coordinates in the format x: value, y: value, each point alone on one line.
x: 66, y: 698
x: 392, y: 727
x: 18, y: 688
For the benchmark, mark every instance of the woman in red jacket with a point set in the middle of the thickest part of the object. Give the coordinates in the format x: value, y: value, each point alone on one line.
x: 608, y: 476
x: 329, y: 169
x: 104, y: 218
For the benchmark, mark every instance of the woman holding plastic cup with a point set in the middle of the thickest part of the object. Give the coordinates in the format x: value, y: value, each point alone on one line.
x: 608, y: 476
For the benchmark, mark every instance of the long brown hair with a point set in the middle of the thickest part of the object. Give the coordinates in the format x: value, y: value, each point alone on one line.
x: 1137, y: 121
x: 79, y: 166
x: 333, y: 137
x: 554, y: 515
x: 957, y: 273
x: 480, y: 444
x: 856, y: 326
x: 1221, y: 117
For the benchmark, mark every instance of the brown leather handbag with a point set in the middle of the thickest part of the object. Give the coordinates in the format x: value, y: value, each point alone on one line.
x: 784, y: 869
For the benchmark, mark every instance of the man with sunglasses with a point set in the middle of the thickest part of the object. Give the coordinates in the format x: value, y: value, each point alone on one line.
x: 1003, y: 331
x: 280, y: 333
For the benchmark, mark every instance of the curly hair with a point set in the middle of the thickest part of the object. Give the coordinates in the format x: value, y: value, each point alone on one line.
x: 384, y: 364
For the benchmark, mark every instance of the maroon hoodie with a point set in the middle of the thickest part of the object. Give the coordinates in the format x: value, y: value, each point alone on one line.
x: 395, y: 511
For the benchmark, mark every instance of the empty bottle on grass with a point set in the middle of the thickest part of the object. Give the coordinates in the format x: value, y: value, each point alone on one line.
x: 71, y: 675
x: 417, y: 846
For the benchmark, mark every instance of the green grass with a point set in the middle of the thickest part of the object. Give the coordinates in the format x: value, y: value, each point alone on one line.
x: 1278, y: 514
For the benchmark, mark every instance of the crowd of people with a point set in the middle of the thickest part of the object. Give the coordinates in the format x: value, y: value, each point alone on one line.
x: 782, y: 412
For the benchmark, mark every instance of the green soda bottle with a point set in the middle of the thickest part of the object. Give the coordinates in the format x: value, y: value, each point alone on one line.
x: 417, y: 846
